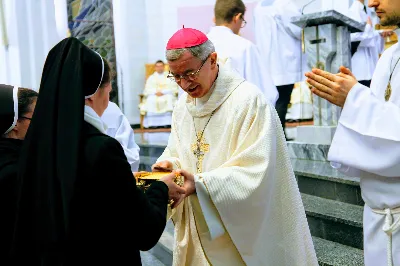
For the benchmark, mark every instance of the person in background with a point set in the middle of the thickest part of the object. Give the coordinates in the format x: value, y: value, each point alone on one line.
x: 235, y: 51
x: 16, y: 110
x: 279, y: 42
x: 160, y: 95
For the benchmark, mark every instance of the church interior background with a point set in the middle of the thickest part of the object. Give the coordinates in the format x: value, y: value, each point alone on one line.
x: 132, y: 34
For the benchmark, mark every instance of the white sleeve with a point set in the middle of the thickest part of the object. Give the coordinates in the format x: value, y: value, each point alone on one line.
x: 125, y: 136
x: 291, y: 29
x: 366, y: 38
x: 210, y: 213
x: 367, y: 139
x: 259, y: 75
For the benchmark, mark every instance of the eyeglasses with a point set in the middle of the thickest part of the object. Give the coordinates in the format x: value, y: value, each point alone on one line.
x: 24, y: 117
x: 189, y: 76
x: 244, y: 22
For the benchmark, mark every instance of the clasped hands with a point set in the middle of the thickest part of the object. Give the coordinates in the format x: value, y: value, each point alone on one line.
x: 175, y: 192
x: 332, y: 87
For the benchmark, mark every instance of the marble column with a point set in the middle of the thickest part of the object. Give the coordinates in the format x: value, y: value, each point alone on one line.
x: 131, y: 48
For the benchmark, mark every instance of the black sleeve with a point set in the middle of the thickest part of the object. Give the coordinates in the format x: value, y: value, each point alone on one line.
x: 141, y: 215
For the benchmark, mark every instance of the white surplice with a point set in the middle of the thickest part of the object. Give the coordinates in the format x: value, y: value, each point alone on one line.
x: 119, y: 128
x: 364, y: 60
x: 279, y: 41
x: 247, y: 209
x: 367, y: 145
x: 243, y: 56
x: 158, y: 109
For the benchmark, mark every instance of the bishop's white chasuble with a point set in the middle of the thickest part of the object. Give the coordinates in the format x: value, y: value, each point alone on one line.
x: 248, y: 209
x: 367, y: 145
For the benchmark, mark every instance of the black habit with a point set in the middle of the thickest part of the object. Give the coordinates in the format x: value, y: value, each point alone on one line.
x: 9, y: 154
x: 78, y: 201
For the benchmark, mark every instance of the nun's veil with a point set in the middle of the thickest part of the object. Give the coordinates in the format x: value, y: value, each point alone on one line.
x: 50, y: 156
x: 8, y: 108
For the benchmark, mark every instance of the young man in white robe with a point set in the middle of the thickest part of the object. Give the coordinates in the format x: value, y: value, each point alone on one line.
x: 367, y: 141
x: 279, y: 42
x: 237, y: 52
x: 119, y: 128
x: 160, y: 95
x: 363, y: 61
x: 245, y: 207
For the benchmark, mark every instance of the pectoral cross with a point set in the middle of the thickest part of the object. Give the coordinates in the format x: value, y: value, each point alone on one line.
x: 388, y: 91
x: 199, y: 150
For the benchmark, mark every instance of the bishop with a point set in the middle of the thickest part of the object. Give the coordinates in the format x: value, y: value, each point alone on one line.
x: 228, y: 138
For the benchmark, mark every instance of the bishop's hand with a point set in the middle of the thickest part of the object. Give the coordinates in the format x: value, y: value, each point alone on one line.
x: 189, y: 183
x: 331, y: 87
x: 163, y: 166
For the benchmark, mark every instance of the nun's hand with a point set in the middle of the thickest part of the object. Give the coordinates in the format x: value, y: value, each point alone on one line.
x: 175, y: 192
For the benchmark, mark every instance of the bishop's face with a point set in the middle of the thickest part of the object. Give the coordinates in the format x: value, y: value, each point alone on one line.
x: 188, y: 64
x: 387, y: 10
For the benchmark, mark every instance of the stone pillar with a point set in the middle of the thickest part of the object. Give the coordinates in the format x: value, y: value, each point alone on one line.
x: 131, y: 48
x: 327, y: 43
x: 28, y: 33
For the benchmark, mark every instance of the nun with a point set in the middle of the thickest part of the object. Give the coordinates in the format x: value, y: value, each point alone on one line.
x: 16, y: 109
x: 78, y: 202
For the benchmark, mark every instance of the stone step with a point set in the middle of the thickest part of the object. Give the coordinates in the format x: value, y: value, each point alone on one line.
x: 334, y: 220
x: 320, y: 179
x: 328, y: 253
x: 334, y: 254
x: 305, y: 151
x: 148, y: 259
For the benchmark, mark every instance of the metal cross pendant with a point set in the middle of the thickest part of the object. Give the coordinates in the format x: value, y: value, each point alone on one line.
x: 388, y: 92
x: 199, y: 150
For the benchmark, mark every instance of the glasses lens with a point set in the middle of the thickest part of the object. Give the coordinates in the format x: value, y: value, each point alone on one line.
x: 191, y: 77
x: 172, y: 78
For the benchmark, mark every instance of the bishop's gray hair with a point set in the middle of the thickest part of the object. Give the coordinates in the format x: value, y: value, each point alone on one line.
x: 201, y: 51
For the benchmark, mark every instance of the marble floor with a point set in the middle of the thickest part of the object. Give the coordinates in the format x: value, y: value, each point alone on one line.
x: 149, y: 260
